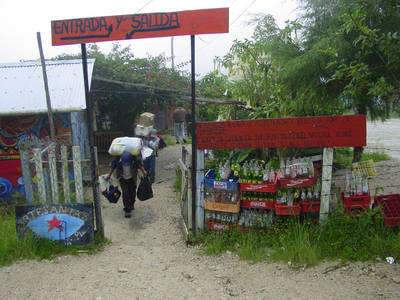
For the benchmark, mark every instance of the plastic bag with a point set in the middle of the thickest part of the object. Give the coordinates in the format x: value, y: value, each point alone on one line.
x: 131, y: 144
x: 144, y: 191
x: 108, y: 190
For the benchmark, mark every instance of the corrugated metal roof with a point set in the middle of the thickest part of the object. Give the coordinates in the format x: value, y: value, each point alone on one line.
x: 22, y: 87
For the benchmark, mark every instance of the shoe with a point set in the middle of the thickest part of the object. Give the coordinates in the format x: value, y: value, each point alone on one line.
x: 128, y: 214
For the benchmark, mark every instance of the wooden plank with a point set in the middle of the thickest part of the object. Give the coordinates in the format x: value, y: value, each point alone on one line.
x: 26, y: 173
x: 303, y: 132
x: 37, y: 159
x: 326, y: 183
x: 53, y: 174
x: 65, y: 175
x: 76, y: 154
x: 138, y: 26
x: 200, y: 190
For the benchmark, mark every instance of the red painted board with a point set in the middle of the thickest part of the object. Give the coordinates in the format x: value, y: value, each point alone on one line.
x: 302, y: 132
x: 139, y: 26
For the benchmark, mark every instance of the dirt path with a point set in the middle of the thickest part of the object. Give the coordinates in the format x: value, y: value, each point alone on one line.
x: 156, y: 264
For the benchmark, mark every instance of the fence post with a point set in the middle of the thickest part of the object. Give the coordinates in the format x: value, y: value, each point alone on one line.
x: 26, y: 173
x: 53, y: 173
x: 199, y: 190
x: 37, y: 158
x: 326, y: 183
x: 76, y: 154
x: 65, y: 177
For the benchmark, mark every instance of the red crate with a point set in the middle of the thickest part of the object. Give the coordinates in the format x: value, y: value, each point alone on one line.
x: 390, y: 205
x: 259, y: 188
x: 310, y: 206
x: 356, y: 202
x: 287, y: 210
x: 217, y: 226
x: 257, y: 204
x: 297, y: 182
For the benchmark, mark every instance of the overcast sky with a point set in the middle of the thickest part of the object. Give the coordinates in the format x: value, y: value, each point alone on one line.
x: 20, y: 20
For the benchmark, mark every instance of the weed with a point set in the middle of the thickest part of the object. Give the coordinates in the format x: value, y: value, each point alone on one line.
x: 343, y: 237
x: 344, y: 157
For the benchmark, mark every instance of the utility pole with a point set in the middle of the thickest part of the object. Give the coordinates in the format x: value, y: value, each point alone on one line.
x: 172, y: 53
x: 46, y: 88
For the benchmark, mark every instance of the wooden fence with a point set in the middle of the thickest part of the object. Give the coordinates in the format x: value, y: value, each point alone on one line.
x: 48, y: 180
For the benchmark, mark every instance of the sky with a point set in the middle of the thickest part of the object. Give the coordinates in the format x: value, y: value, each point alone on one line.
x: 20, y: 20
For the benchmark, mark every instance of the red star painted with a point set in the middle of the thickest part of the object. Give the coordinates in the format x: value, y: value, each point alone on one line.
x: 54, y: 223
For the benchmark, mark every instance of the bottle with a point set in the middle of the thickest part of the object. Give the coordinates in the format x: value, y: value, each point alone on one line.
x: 309, y: 194
x: 303, y: 195
x: 365, y: 188
x: 347, y: 190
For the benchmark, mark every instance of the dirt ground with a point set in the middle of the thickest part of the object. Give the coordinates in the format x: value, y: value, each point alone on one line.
x: 148, y: 259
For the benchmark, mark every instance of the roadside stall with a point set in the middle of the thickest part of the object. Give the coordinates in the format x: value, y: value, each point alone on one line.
x: 247, y: 192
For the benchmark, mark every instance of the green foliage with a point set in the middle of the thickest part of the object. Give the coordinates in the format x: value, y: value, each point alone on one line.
x: 139, y: 84
x: 344, y: 157
x: 30, y: 247
x: 343, y: 237
x: 338, y: 56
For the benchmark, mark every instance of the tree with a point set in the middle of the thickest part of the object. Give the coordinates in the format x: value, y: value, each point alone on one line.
x: 362, y: 52
x: 125, y: 86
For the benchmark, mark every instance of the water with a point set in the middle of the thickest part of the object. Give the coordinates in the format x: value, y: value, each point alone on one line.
x: 384, y: 136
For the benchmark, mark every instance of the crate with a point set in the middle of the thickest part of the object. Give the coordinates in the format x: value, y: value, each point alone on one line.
x: 258, y: 204
x: 259, y: 188
x: 226, y: 185
x: 390, y: 205
x: 217, y: 226
x: 310, y: 206
x: 356, y: 202
x: 287, y: 210
x: 297, y: 182
x: 222, y: 206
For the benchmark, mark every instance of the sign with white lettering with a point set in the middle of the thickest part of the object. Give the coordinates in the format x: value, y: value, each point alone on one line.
x: 69, y: 224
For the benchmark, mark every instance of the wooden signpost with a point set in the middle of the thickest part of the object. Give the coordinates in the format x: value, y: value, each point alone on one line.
x: 139, y: 26
x: 302, y: 132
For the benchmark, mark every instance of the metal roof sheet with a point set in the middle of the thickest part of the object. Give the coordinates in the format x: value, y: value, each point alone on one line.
x: 22, y: 87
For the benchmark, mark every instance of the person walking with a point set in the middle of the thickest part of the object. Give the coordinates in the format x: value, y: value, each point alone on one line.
x: 127, y: 166
x: 179, y: 124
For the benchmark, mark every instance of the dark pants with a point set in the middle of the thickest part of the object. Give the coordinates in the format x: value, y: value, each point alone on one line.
x: 128, y: 193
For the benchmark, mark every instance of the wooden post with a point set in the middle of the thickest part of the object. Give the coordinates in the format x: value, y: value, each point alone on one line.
x: 53, y: 173
x: 76, y: 156
x: 194, y: 144
x: 26, y: 173
x: 65, y: 176
x: 327, y: 161
x: 46, y: 88
x: 200, y: 190
x: 37, y: 157
x: 94, y: 174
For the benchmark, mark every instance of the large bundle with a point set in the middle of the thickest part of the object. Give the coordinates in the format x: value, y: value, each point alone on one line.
x: 143, y: 130
x: 146, y: 119
x: 132, y: 145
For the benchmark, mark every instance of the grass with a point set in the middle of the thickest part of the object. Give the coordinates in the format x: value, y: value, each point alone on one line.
x: 342, y: 237
x: 177, y: 185
x: 13, y: 249
x: 169, y: 139
x: 344, y: 157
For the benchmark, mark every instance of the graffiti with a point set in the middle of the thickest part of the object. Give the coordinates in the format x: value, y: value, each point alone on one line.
x: 153, y: 22
x: 70, y: 224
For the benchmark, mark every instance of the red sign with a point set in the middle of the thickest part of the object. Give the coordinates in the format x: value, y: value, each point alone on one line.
x: 304, y: 132
x: 138, y: 26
